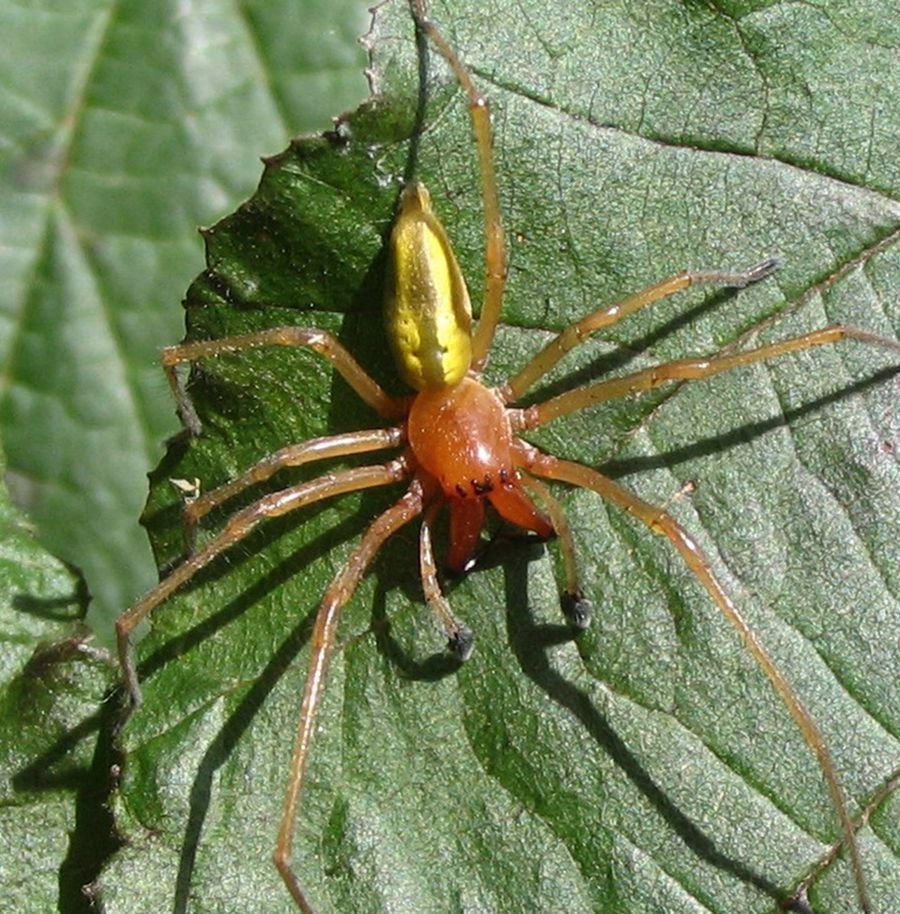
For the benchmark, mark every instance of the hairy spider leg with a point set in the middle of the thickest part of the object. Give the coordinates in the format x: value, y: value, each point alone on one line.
x: 237, y: 528
x: 323, y: 641
x: 690, y: 370
x: 575, y: 334
x: 495, y: 256
x: 660, y: 521
x: 320, y: 341
x: 575, y: 606
x: 459, y: 636
x: 294, y: 455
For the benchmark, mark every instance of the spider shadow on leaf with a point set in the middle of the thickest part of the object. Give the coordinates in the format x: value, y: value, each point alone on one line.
x: 533, y: 644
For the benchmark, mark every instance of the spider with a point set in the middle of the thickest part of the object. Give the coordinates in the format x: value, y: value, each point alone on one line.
x: 459, y: 448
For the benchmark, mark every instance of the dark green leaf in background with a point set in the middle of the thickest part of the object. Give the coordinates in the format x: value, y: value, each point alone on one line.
x: 649, y: 767
x: 125, y: 126
x: 51, y: 712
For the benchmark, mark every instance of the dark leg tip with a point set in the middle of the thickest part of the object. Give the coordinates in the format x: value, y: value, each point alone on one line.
x: 764, y: 269
x: 577, y: 609
x: 461, y: 643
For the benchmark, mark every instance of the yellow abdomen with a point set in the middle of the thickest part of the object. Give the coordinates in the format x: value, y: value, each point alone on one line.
x: 427, y: 310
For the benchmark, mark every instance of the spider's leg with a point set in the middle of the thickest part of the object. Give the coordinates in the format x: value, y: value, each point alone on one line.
x: 318, y: 340
x: 575, y: 606
x: 324, y: 633
x: 660, y: 521
x: 237, y: 528
x: 459, y: 636
x: 293, y: 455
x: 577, y: 333
x: 495, y: 258
x: 689, y: 370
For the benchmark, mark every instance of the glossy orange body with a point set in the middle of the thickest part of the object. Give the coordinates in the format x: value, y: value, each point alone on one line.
x: 461, y: 437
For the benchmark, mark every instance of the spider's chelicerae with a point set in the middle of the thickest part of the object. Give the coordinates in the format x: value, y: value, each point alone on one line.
x: 457, y: 447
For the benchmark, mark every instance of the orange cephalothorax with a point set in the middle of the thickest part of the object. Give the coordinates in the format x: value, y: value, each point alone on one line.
x: 461, y: 435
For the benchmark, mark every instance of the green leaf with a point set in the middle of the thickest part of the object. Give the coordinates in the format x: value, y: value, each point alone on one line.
x: 649, y: 766
x: 54, y: 824
x: 124, y: 127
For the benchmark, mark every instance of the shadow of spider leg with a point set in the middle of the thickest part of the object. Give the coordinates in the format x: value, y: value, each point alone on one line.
x: 339, y: 591
x: 660, y: 521
x: 293, y: 455
x: 319, y: 341
x: 238, y: 527
x: 577, y: 333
